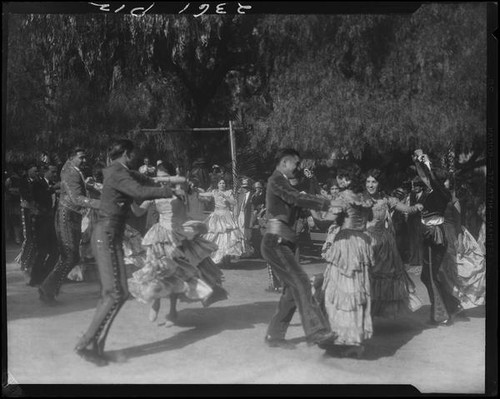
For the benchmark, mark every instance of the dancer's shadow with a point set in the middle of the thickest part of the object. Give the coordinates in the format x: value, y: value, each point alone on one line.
x: 23, y: 301
x: 206, y: 323
x: 246, y: 264
x: 477, y: 312
x: 391, y: 335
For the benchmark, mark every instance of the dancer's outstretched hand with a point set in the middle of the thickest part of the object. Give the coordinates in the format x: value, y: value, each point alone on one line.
x: 170, y: 179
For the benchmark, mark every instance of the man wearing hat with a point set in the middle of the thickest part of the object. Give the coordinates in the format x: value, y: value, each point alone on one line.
x: 435, y: 197
x: 243, y: 214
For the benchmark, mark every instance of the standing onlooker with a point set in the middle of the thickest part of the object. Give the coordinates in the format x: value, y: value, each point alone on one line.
x: 72, y: 204
x: 481, y: 240
x: 29, y: 210
x: 44, y: 193
x: 243, y: 215
x: 147, y: 169
x: 13, y: 206
x: 258, y: 201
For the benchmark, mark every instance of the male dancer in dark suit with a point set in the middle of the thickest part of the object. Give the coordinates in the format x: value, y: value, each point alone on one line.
x: 278, y: 248
x: 121, y: 186
x: 444, y: 306
x: 73, y: 202
x: 44, y: 192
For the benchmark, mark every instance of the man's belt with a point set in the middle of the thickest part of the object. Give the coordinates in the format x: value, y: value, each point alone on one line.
x: 432, y: 220
x: 114, y: 221
x: 281, y: 229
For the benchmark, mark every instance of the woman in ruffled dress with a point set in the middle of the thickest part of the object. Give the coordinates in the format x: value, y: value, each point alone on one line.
x: 464, y: 265
x: 177, y: 263
x: 222, y: 227
x: 392, y: 290
x: 346, y: 285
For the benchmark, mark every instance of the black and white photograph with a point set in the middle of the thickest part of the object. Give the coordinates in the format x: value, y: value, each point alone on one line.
x: 248, y: 196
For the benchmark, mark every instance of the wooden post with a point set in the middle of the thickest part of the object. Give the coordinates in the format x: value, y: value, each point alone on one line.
x: 233, y: 155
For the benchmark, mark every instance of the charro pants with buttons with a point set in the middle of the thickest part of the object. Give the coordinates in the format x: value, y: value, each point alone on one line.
x: 68, y: 224
x: 27, y: 255
x: 107, y: 241
x: 297, y: 292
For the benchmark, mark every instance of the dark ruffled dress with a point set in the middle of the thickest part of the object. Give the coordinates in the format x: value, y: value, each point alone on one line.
x: 391, y: 286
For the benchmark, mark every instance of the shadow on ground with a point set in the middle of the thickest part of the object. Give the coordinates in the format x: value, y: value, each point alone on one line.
x: 390, y: 335
x: 245, y: 264
x: 206, y: 323
x: 23, y: 301
x: 478, y: 312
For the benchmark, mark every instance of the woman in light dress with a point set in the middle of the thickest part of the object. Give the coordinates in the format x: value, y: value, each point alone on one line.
x: 346, y: 286
x: 222, y: 227
x: 177, y: 263
x: 464, y: 265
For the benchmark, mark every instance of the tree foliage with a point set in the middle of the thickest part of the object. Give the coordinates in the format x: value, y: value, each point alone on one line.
x: 368, y: 85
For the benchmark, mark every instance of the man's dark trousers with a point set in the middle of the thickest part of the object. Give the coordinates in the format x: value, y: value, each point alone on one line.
x: 69, y: 233
x: 47, y: 251
x: 443, y: 303
x: 296, y: 291
x: 107, y: 246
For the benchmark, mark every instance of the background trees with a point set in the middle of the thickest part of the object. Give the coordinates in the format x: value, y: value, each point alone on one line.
x: 373, y: 87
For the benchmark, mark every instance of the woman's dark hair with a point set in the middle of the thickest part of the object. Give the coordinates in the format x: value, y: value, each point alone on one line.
x: 353, y: 173
x: 285, y: 152
x: 97, y: 171
x: 377, y: 175
x: 167, y: 167
x: 453, y: 182
x: 441, y: 174
x: 30, y: 165
x: 117, y: 149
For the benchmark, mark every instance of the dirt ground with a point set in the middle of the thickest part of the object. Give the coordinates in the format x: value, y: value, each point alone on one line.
x: 223, y: 344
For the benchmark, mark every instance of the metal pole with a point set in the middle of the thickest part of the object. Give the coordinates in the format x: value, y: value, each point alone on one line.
x: 233, y: 154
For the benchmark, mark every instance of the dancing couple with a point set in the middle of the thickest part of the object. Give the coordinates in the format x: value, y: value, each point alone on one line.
x: 121, y: 187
